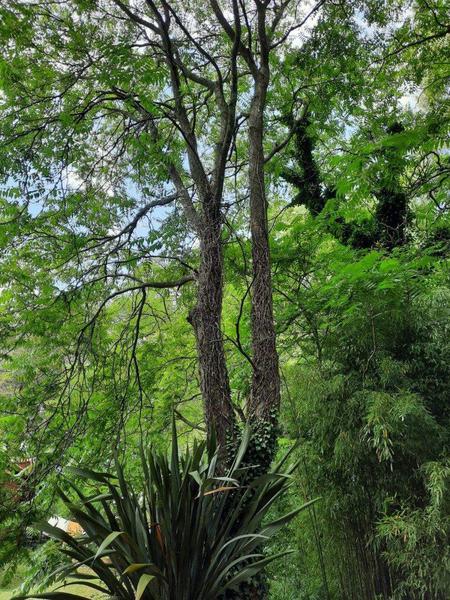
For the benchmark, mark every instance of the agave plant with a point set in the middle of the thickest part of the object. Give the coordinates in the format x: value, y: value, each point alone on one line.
x: 192, y: 533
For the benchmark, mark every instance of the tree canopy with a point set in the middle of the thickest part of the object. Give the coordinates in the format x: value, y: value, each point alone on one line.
x: 235, y: 212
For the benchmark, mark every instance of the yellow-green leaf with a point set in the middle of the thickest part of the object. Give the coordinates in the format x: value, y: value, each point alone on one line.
x: 110, y: 538
x: 143, y: 583
x: 135, y: 567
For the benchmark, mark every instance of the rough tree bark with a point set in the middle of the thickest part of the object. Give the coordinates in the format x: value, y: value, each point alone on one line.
x: 265, y: 395
x: 205, y: 317
x: 169, y: 34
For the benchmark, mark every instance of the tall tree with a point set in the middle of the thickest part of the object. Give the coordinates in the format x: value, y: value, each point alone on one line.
x: 120, y: 113
x: 115, y: 109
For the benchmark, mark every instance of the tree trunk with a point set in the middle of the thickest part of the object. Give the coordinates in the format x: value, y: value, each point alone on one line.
x: 265, y: 397
x: 206, y: 320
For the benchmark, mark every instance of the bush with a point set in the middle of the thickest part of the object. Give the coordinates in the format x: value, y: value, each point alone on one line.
x: 192, y: 533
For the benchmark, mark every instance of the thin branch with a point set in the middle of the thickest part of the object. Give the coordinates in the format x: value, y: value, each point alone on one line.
x: 131, y: 226
x: 298, y: 25
x: 134, y: 17
x: 188, y: 422
x: 231, y: 33
x: 418, y: 42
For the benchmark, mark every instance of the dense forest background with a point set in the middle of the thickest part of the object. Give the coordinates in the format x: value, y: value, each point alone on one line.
x: 98, y: 278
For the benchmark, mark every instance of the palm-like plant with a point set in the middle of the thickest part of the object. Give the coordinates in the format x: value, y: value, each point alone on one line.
x: 192, y: 534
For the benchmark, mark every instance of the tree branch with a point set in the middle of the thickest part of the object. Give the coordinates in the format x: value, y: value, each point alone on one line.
x: 423, y: 40
x: 231, y: 33
x: 134, y: 17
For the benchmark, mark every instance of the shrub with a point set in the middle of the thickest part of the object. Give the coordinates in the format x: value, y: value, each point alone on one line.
x: 192, y: 533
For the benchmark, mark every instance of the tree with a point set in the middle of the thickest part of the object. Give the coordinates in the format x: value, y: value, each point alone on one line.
x: 153, y: 155
x: 117, y: 114
x: 131, y: 107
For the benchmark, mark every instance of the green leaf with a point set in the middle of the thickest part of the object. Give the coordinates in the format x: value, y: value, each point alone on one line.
x: 88, y: 584
x: 142, y: 585
x: 289, y: 516
x: 89, y: 474
x: 110, y: 538
x: 135, y: 567
x: 52, y: 596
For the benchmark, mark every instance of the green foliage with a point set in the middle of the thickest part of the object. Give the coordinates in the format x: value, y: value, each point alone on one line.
x: 367, y: 390
x: 91, y: 357
x: 415, y: 539
x: 190, y: 533
x: 41, y: 563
